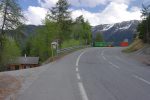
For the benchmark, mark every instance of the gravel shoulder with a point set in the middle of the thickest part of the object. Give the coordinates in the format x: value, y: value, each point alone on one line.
x: 16, y: 82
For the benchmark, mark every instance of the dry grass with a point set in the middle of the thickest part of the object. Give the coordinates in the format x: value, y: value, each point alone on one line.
x: 136, y: 45
x: 8, y: 85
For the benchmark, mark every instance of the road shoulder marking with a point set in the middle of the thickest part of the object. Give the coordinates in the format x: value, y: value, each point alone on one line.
x: 114, y: 65
x: 80, y: 84
x: 78, y: 76
x: 140, y: 78
x: 82, y: 91
x: 78, y: 59
x: 77, y: 69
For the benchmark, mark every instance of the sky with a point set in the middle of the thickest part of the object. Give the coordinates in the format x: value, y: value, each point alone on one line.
x: 95, y: 11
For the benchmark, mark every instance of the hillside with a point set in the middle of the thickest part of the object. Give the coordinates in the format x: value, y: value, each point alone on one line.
x: 117, y: 32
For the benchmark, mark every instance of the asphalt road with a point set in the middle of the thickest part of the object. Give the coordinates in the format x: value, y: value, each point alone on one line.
x: 92, y: 74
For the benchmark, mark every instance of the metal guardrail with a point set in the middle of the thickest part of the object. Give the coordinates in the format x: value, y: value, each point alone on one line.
x: 69, y: 49
x: 65, y: 50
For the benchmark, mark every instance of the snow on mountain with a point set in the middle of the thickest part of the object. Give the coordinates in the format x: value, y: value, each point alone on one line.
x: 107, y: 27
x: 117, y: 32
x: 125, y: 27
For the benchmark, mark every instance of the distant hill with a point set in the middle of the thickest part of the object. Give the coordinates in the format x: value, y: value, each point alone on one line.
x: 117, y: 32
x: 28, y: 30
x: 24, y: 31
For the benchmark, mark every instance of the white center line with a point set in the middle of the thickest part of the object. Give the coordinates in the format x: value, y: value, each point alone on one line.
x: 77, y: 62
x: 77, y: 69
x: 140, y: 78
x: 109, y: 61
x: 104, y: 57
x: 82, y: 91
x: 78, y: 76
x: 80, y: 84
x: 114, y: 65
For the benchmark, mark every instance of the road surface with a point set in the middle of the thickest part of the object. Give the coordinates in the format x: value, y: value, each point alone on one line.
x: 92, y: 74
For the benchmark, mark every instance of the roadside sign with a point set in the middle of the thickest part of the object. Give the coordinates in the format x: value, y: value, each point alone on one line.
x: 54, y: 45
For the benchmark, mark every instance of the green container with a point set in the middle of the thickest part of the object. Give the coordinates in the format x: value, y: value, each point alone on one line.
x: 101, y: 44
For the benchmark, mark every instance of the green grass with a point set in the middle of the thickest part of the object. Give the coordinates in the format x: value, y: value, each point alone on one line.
x: 136, y: 45
x: 70, y: 43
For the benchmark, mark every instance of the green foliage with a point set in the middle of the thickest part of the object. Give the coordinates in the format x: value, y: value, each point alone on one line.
x: 61, y: 16
x: 70, y: 43
x: 87, y: 32
x: 11, y: 16
x: 82, y: 30
x: 99, y: 38
x: 10, y: 52
x: 144, y: 26
x: 58, y: 26
x: 40, y: 44
x: 142, y: 30
x: 40, y: 47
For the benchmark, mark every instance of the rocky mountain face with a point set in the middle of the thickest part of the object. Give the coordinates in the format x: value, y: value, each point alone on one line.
x: 117, y: 32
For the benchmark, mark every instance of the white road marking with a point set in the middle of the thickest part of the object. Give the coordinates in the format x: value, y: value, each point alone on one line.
x: 140, y: 78
x: 104, y: 57
x: 77, y: 69
x: 109, y: 61
x: 77, y: 62
x: 82, y: 91
x: 114, y: 65
x: 78, y: 76
x: 80, y: 84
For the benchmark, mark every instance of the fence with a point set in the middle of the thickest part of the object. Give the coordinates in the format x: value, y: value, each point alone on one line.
x: 64, y: 50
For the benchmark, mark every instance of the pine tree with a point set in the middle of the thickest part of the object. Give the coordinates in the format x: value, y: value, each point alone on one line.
x: 146, y: 16
x: 11, y: 16
x: 61, y: 16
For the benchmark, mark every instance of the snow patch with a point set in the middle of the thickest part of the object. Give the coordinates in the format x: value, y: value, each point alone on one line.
x: 125, y: 27
x: 108, y: 27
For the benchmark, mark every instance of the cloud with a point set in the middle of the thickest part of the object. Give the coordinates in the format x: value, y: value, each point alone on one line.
x: 114, y: 12
x: 47, y: 3
x: 82, y: 3
x: 94, y: 3
x: 35, y: 15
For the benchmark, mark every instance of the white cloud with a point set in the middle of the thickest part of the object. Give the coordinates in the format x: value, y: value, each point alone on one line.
x: 47, y: 3
x: 114, y: 12
x: 94, y: 3
x: 81, y: 3
x: 35, y: 15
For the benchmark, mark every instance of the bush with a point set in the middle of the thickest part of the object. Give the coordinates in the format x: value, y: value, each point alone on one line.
x: 9, y: 52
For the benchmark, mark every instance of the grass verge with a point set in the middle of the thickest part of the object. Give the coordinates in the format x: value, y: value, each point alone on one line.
x: 136, y: 45
x: 70, y: 43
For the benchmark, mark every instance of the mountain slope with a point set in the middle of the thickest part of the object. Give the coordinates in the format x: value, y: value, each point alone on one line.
x: 117, y: 32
